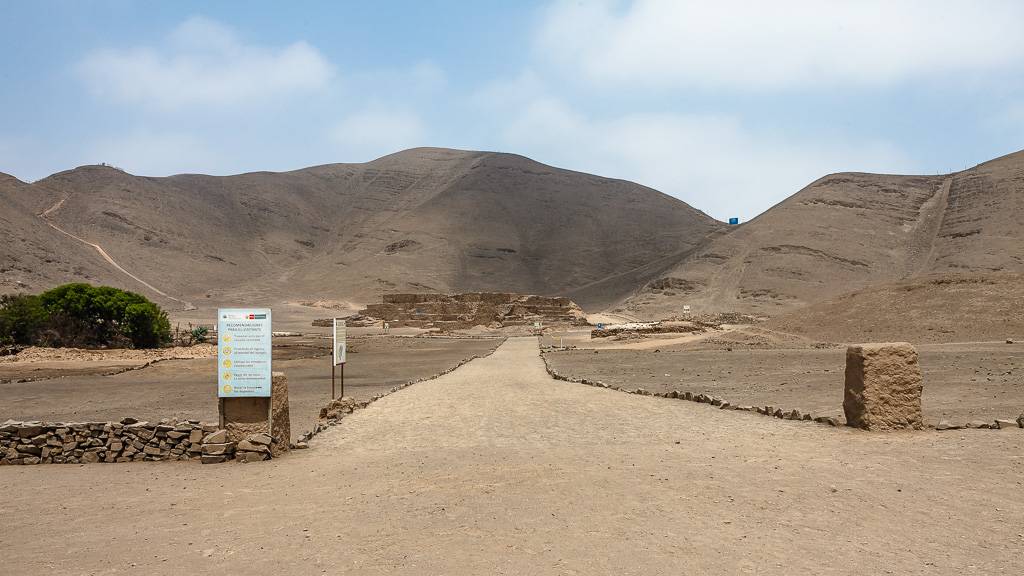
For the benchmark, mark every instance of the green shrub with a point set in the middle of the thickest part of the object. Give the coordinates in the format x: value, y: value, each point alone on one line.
x: 85, y: 316
x: 22, y: 319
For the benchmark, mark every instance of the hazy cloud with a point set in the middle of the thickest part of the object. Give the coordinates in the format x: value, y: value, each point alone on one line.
x: 203, y: 62
x: 376, y: 131
x: 787, y: 44
x: 715, y: 163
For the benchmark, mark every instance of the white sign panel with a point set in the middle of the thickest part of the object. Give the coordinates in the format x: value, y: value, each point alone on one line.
x: 340, y: 345
x: 243, y: 352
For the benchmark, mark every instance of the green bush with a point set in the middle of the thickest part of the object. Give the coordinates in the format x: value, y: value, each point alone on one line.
x: 22, y: 318
x: 85, y: 316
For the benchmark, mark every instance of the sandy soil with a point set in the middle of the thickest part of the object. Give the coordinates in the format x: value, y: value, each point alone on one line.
x: 497, y: 469
x: 40, y: 363
x: 186, y: 388
x: 962, y: 382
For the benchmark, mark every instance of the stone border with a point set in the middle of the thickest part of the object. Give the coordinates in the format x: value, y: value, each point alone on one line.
x: 337, y: 409
x: 772, y: 411
x: 86, y: 442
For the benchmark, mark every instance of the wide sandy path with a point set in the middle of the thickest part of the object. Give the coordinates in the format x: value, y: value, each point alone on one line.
x: 497, y: 469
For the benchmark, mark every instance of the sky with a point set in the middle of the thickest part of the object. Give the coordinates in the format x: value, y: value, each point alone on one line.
x: 730, y: 106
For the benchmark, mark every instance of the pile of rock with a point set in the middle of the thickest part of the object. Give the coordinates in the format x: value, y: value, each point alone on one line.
x: 217, y: 448
x: 255, y: 448
x: 339, y: 407
x: 85, y: 442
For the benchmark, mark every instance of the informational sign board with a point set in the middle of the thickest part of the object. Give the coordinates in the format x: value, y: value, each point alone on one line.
x: 686, y: 308
x: 244, y: 352
x: 537, y: 324
x: 340, y: 344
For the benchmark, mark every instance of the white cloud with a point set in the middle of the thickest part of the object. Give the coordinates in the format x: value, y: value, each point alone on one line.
x: 154, y: 153
x: 376, y: 131
x: 204, y: 62
x: 714, y: 163
x: 781, y: 45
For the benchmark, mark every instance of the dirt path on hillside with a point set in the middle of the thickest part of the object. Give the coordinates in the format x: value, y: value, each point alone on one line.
x: 498, y: 469
x: 45, y: 216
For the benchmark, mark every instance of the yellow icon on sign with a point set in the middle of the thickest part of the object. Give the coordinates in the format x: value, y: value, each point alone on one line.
x: 227, y: 338
x: 227, y: 388
x: 227, y: 376
x: 227, y: 363
x: 227, y: 350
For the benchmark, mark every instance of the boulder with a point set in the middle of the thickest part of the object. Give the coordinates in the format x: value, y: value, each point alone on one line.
x: 218, y: 449
x: 218, y: 437
x: 245, y: 457
x: 1003, y: 424
x: 883, y: 387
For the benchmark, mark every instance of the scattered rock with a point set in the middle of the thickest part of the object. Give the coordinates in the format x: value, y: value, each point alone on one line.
x: 1002, y: 424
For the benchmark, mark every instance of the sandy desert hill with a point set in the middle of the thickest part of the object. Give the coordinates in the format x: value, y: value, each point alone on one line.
x: 420, y: 220
x: 974, y: 307
x: 846, y: 232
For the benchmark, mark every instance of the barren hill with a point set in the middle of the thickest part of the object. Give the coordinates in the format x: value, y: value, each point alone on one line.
x: 848, y: 231
x: 420, y: 220
x: 935, y: 308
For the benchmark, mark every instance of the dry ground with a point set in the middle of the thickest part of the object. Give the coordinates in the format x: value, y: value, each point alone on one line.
x: 186, y: 388
x: 497, y: 469
x: 962, y: 382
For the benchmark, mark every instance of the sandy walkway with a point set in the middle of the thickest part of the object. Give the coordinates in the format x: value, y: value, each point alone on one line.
x: 496, y: 469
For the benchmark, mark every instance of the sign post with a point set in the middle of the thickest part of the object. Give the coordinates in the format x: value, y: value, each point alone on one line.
x: 339, y: 351
x: 244, y: 354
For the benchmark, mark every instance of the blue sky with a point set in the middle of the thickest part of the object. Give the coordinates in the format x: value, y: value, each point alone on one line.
x: 730, y: 106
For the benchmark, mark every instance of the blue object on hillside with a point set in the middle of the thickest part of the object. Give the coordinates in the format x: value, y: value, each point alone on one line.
x: 734, y: 220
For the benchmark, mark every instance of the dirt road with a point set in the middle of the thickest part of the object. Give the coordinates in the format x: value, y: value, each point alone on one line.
x: 497, y: 469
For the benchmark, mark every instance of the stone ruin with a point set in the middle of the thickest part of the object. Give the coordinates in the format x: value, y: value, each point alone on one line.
x: 883, y: 387
x: 460, y: 311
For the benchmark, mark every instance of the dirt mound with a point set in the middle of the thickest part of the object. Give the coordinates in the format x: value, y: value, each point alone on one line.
x: 933, y: 309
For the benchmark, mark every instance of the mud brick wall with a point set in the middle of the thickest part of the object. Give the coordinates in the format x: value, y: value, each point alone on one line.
x: 474, y: 308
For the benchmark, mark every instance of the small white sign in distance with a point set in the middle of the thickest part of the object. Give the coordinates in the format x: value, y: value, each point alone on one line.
x: 244, y: 352
x: 340, y: 344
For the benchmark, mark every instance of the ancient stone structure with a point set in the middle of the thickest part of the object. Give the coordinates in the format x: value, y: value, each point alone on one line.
x: 246, y: 417
x: 495, y: 309
x: 883, y: 387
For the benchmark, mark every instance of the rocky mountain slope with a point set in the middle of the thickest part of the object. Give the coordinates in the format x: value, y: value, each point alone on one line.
x: 420, y: 220
x: 845, y: 232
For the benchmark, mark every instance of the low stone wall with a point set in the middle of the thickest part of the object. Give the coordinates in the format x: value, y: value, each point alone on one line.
x: 124, y: 441
x: 87, y: 442
x: 774, y: 411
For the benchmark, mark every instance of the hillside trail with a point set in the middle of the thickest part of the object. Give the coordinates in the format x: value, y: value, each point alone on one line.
x: 45, y: 217
x: 923, y: 231
x: 496, y: 468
